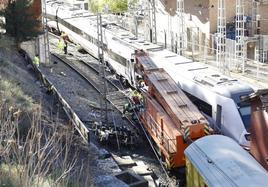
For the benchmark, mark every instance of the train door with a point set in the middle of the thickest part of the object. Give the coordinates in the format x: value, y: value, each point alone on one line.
x: 132, y: 71
x: 129, y: 71
x: 218, y: 117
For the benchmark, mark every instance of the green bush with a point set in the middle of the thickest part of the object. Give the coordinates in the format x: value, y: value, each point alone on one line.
x: 114, y: 6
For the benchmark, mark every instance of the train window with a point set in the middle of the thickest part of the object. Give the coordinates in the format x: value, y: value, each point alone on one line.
x: 215, y: 75
x: 245, y: 112
x: 170, y: 56
x: 201, y: 105
x: 105, y: 47
x: 118, y: 58
x: 124, y: 35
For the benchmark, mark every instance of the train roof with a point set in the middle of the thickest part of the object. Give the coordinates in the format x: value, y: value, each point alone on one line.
x: 201, y: 73
x: 83, y: 21
x: 222, y: 162
x: 182, y: 67
x: 130, y: 39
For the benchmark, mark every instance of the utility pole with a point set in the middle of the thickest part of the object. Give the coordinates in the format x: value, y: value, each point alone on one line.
x: 103, y: 86
x: 239, y: 35
x: 255, y: 17
x: 256, y: 27
x: 180, y: 10
x: 46, y: 39
x: 102, y: 67
x: 152, y: 13
x: 221, y: 36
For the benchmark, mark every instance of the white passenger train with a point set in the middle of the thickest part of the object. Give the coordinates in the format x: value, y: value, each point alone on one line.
x: 216, y: 95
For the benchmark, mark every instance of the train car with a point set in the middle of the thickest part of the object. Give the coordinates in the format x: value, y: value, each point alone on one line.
x: 171, y: 119
x: 227, y: 165
x: 259, y: 126
x: 216, y: 95
x: 82, y: 29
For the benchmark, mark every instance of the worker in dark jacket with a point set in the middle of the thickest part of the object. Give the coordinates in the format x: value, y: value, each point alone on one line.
x: 65, y: 38
x: 65, y: 47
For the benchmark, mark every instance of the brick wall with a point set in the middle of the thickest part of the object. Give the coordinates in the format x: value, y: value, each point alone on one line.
x: 264, y: 18
x: 36, y: 9
x: 3, y: 3
x: 206, y: 10
x: 230, y: 14
x: 170, y: 6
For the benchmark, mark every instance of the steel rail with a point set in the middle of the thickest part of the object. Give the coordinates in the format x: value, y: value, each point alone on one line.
x: 92, y: 84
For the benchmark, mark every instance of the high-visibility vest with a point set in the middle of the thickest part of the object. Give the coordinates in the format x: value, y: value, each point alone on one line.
x: 36, y: 61
x: 61, y: 44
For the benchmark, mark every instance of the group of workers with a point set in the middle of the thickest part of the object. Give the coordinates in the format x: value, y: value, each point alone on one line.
x: 62, y: 46
x: 135, y: 105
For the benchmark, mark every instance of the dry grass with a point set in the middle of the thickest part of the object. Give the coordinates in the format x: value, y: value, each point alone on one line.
x: 35, y: 152
x: 12, y: 95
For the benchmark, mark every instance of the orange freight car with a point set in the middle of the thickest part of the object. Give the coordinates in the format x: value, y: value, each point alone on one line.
x: 164, y: 133
x: 169, y: 116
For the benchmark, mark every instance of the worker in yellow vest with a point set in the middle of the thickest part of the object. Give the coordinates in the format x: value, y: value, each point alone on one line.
x: 61, y: 44
x: 36, y: 60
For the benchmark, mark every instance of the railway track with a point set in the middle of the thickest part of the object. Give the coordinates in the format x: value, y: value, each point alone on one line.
x: 87, y: 68
x: 89, y: 73
x: 115, y: 95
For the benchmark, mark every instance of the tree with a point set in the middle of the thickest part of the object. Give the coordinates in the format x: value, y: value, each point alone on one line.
x: 20, y: 22
x: 115, y: 6
x: 118, y: 6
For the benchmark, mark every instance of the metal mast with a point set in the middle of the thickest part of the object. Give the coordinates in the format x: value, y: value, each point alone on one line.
x: 46, y: 39
x: 221, y: 35
x: 256, y: 28
x: 239, y: 35
x: 180, y: 9
x: 153, y: 36
x: 103, y: 85
x: 255, y: 17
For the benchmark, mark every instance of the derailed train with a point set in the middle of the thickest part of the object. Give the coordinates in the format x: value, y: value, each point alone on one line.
x: 168, y: 115
x: 216, y: 95
x: 208, y: 164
